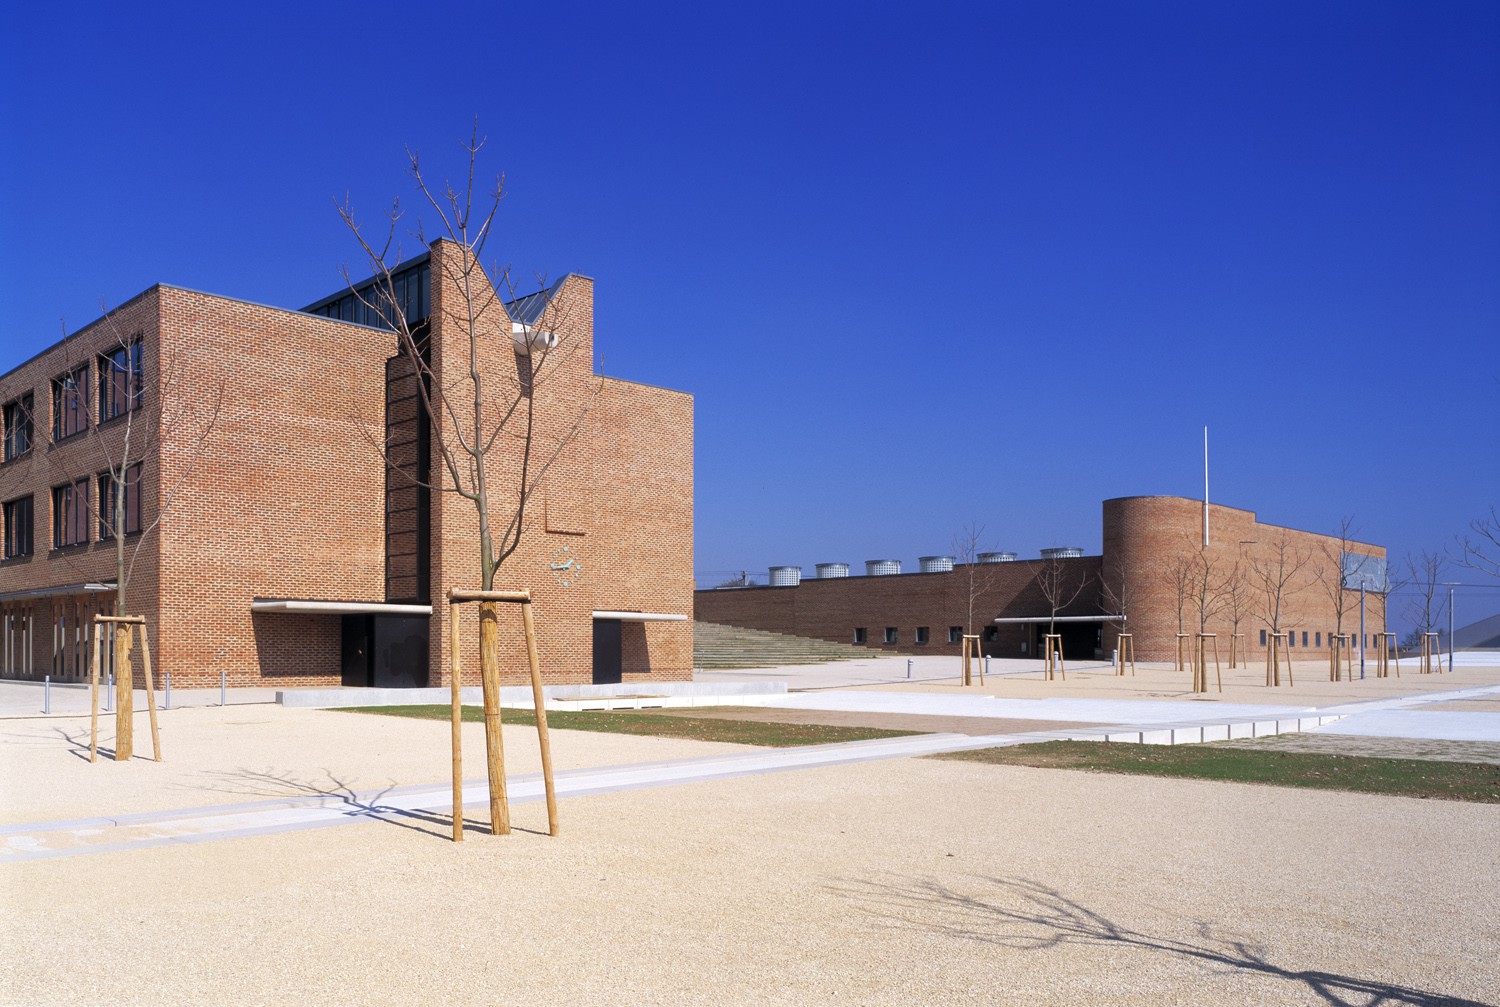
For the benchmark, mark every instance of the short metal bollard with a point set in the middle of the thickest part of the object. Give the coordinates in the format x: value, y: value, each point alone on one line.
x: 986, y: 664
x: 223, y: 687
x: 109, y: 691
x: 908, y: 667
x: 167, y: 680
x: 46, y: 693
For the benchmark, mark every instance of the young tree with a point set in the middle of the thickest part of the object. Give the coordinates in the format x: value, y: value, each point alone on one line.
x: 1278, y: 577
x: 978, y: 577
x: 486, y: 410
x: 1330, y: 570
x: 1060, y: 586
x: 1429, y: 603
x: 1237, y: 599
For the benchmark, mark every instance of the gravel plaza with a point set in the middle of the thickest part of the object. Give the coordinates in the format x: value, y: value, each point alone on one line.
x: 689, y: 870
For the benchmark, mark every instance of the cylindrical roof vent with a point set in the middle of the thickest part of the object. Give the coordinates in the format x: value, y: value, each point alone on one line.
x: 786, y: 576
x: 882, y: 567
x: 1062, y: 552
x: 828, y: 571
x: 996, y: 557
x: 935, y: 564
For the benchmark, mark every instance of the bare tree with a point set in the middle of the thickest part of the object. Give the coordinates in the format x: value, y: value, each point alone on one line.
x: 1179, y: 574
x: 1481, y: 551
x: 1425, y: 610
x: 1330, y: 570
x: 978, y: 577
x: 485, y: 415
x: 1237, y: 598
x: 1277, y: 577
x: 1060, y: 586
x: 1208, y: 587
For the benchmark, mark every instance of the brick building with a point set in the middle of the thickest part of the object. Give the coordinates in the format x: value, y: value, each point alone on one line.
x: 291, y: 553
x: 1154, y: 571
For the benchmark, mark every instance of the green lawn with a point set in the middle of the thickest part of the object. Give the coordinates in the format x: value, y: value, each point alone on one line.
x: 658, y: 725
x: 1445, y: 781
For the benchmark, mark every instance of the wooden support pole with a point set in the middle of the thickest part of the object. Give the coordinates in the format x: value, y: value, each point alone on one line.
x: 514, y: 597
x: 489, y: 670
x: 94, y: 690
x: 124, y: 697
x: 1126, y: 646
x: 456, y: 694
x: 1236, y: 650
x: 150, y: 693
x: 541, y: 717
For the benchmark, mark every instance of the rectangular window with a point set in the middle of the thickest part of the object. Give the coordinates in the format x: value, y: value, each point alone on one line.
x: 859, y: 634
x: 70, y: 507
x: 990, y: 633
x: 107, y: 500
x: 1262, y: 638
x: 122, y: 381
x: 1317, y: 639
x: 1291, y: 639
x: 1304, y: 638
x: 890, y: 634
x: 70, y: 403
x: 18, y: 429
x: 922, y: 634
x: 18, y: 528
x: 955, y: 634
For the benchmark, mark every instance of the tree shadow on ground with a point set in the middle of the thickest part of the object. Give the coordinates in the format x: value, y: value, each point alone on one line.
x: 266, y: 783
x: 79, y: 746
x: 1028, y: 916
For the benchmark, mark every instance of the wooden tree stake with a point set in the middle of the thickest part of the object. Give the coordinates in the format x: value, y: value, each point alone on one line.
x: 94, y: 690
x: 1125, y: 645
x: 541, y: 716
x: 458, y: 717
x: 489, y: 670
x: 124, y: 697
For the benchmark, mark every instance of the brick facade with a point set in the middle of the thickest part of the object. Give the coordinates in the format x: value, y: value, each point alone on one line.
x: 289, y: 496
x: 1145, y: 540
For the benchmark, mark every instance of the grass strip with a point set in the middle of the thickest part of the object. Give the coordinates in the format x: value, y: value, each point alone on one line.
x: 1444, y: 781
x: 738, y: 732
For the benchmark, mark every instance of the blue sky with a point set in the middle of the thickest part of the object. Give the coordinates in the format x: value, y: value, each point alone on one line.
x: 919, y: 265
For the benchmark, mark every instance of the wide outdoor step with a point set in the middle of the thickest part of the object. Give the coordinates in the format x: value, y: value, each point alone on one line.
x: 728, y: 647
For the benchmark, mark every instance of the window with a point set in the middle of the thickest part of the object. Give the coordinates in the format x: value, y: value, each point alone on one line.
x: 922, y: 634
x: 1317, y: 639
x: 18, y: 528
x: 1291, y: 639
x: 132, y: 502
x: 859, y: 634
x: 990, y: 633
x: 70, y: 403
x: 955, y: 634
x: 122, y: 381
x: 1262, y: 638
x: 1304, y: 638
x: 18, y: 430
x: 890, y: 634
x: 70, y: 506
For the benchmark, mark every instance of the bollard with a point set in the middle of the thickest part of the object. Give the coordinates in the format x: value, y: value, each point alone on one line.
x: 109, y: 691
x: 46, y: 693
x: 223, y: 687
x: 986, y: 664
x: 908, y: 667
x: 168, y: 704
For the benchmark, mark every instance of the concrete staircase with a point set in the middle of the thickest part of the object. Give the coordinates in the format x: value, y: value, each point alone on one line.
x: 717, y: 647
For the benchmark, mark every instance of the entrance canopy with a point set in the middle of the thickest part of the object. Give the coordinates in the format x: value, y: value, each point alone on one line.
x: 56, y: 592
x: 640, y: 616
x: 1061, y: 618
x: 308, y: 607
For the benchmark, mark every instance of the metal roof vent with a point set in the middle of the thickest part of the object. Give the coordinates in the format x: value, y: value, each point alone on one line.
x: 882, y: 567
x: 935, y: 564
x: 996, y: 557
x: 830, y: 571
x: 1062, y: 552
x: 786, y: 576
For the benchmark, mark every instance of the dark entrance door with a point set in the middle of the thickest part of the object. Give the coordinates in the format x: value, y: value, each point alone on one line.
x: 400, y: 653
x: 1080, y: 640
x: 358, y: 630
x: 607, y: 651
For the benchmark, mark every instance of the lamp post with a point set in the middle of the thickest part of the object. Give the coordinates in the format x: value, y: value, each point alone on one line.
x: 1450, y: 585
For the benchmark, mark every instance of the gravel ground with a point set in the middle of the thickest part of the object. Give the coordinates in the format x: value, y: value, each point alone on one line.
x: 904, y: 882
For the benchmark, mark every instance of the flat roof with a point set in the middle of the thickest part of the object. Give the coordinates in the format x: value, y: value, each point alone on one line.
x: 307, y: 606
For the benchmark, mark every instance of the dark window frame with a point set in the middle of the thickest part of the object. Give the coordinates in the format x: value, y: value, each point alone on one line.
x: 955, y: 634
x: 892, y: 635
x: 20, y: 542
x: 19, y: 417
x: 70, y: 406
x: 132, y: 503
x: 923, y: 635
x: 122, y: 380
x: 859, y: 634
x: 70, y: 514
